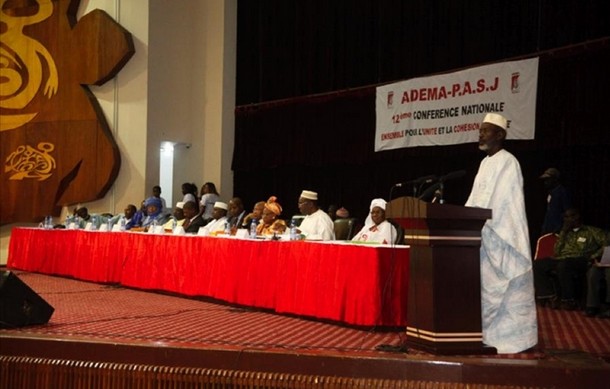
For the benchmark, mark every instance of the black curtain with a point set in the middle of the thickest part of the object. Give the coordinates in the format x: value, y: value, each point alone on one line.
x: 306, y: 87
x: 288, y: 48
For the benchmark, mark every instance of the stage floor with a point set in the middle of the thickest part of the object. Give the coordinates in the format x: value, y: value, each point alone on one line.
x: 114, y: 324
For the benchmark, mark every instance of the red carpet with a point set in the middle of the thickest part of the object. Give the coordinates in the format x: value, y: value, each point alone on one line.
x: 88, y: 310
x: 91, y: 311
x: 571, y: 330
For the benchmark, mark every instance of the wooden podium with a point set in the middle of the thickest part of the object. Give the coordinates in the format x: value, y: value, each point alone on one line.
x: 444, y: 303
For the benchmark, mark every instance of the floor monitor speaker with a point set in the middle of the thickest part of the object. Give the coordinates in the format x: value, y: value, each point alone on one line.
x: 19, y: 304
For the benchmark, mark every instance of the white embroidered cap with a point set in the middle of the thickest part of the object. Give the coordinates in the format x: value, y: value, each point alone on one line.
x: 309, y: 195
x: 221, y: 205
x: 496, y: 119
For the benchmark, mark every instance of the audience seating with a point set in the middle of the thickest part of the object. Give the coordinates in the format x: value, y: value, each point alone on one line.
x: 545, y: 246
x: 545, y: 249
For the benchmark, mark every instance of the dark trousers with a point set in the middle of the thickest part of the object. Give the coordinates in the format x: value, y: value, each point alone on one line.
x: 595, y: 278
x: 558, y: 277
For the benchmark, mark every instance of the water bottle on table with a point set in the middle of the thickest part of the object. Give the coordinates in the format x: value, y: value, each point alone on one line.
x: 293, y: 230
x: 253, y: 229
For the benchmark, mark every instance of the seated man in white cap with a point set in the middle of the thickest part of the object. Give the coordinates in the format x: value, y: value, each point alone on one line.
x: 508, y: 307
x: 377, y: 229
x: 219, y: 219
x: 316, y: 225
x: 177, y: 217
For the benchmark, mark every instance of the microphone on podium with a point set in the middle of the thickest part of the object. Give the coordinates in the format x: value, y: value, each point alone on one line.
x: 437, y: 189
x: 418, y: 181
x: 452, y: 175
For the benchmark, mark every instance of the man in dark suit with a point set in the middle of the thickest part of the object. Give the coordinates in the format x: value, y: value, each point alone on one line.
x: 236, y: 214
x: 192, y: 218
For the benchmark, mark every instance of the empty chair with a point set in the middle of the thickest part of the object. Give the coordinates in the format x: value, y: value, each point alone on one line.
x: 344, y: 228
x: 298, y: 219
x: 545, y: 246
x: 400, y: 232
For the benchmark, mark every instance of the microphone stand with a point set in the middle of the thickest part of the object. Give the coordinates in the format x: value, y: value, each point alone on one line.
x: 438, y: 194
x: 441, y: 184
x: 441, y: 189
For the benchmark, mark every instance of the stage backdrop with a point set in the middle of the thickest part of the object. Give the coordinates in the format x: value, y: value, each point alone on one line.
x: 447, y: 109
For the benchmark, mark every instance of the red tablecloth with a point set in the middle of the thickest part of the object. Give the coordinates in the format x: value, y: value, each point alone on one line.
x: 354, y: 284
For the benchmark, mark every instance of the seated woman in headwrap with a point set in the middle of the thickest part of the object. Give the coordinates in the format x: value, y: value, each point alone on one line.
x: 376, y: 228
x: 154, y: 213
x: 270, y: 224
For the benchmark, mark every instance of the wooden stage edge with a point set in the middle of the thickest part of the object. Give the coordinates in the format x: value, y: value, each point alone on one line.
x: 20, y: 353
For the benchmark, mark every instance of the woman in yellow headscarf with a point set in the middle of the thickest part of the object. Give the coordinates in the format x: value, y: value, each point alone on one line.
x: 270, y: 223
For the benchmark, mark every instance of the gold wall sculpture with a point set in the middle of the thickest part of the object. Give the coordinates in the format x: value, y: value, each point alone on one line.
x: 56, y: 147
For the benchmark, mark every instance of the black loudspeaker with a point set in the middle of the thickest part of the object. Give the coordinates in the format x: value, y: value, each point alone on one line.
x: 19, y: 304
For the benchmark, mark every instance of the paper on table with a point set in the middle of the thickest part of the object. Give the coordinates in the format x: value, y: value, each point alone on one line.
x: 605, y: 261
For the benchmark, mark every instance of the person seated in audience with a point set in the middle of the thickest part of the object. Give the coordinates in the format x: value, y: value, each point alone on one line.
x: 256, y: 214
x: 271, y: 224
x: 192, y: 218
x: 209, y: 195
x: 236, y: 214
x: 219, y: 219
x: 596, y: 276
x: 316, y: 225
x: 154, y: 213
x: 377, y: 229
x: 576, y: 247
x: 177, y: 217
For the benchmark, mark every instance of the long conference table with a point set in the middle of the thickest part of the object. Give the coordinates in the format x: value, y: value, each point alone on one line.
x: 350, y: 283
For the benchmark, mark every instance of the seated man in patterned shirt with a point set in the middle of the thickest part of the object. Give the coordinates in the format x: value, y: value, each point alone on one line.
x: 576, y: 248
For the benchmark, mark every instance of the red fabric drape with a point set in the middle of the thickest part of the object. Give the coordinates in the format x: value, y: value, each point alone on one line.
x: 348, y: 283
